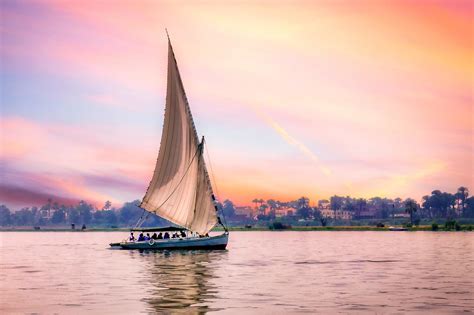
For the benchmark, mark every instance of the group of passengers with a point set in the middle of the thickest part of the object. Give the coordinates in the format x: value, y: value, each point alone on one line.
x: 155, y: 236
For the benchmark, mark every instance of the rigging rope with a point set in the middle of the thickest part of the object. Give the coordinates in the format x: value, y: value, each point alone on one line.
x: 215, y: 184
x: 138, y: 222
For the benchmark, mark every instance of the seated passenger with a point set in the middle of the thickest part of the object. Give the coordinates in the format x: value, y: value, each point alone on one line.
x: 147, y: 237
x: 174, y: 235
x: 141, y: 238
x: 154, y: 236
x: 131, y: 238
x: 167, y: 236
x: 160, y: 236
x: 183, y: 234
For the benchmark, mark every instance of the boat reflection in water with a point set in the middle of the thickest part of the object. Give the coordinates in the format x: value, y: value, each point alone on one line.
x: 182, y: 280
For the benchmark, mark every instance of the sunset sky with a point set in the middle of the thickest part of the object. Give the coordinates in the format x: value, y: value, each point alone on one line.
x: 311, y: 98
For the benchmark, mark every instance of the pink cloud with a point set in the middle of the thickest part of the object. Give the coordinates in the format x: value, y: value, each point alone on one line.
x: 72, y: 162
x: 21, y: 196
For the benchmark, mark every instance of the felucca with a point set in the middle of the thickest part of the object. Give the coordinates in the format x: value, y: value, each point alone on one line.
x: 180, y: 190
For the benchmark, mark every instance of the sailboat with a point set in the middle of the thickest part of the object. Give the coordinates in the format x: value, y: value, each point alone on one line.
x: 180, y: 190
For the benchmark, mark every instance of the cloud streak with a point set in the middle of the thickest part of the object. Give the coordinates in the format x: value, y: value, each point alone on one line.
x: 296, y: 143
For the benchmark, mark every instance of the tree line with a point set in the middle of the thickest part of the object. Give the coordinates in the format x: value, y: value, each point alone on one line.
x: 437, y: 205
x: 434, y: 206
x: 82, y: 213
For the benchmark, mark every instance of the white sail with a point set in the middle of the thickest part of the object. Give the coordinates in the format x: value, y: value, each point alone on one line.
x: 180, y: 189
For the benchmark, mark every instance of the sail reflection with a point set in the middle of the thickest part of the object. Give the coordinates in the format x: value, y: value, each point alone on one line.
x: 183, y: 280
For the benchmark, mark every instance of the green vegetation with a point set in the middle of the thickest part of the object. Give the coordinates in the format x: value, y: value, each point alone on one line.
x: 439, y: 211
x: 278, y: 226
x: 52, y: 215
x: 411, y: 207
x: 452, y: 225
x: 348, y: 211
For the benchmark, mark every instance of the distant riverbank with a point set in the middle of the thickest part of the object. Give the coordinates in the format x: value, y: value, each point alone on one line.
x: 343, y: 228
x: 441, y: 228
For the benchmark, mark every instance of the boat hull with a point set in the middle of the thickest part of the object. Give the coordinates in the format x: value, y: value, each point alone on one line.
x: 218, y: 242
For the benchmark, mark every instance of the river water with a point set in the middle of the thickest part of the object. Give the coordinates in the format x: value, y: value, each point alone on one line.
x: 260, y: 273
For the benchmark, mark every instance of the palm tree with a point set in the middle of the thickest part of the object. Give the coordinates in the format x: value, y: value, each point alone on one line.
x: 411, y: 207
x: 255, y: 201
x: 302, y: 202
x: 107, y: 205
x: 272, y: 204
